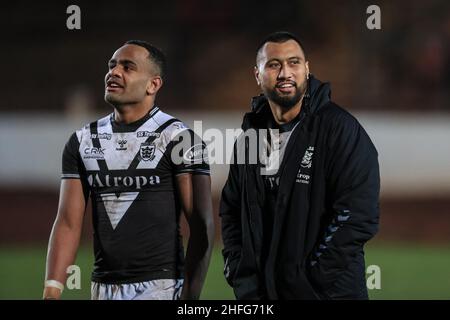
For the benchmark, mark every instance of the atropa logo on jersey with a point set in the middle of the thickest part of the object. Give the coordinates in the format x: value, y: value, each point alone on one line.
x: 195, y: 153
x: 106, y: 136
x: 147, y: 151
x: 122, y: 144
x: 145, y: 134
x: 136, y: 182
x: 94, y: 153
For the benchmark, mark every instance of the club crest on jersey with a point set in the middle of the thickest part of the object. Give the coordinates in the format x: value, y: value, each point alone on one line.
x: 307, y: 158
x: 147, y: 151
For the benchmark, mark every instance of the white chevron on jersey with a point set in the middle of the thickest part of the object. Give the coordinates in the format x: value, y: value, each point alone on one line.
x: 117, y: 206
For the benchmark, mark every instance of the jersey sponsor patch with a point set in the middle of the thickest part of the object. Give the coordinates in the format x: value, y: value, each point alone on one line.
x: 196, y: 153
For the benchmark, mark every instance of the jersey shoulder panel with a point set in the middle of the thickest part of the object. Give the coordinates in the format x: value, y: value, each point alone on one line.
x: 185, y: 149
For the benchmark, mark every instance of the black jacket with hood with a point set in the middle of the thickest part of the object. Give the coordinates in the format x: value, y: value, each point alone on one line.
x: 327, y: 208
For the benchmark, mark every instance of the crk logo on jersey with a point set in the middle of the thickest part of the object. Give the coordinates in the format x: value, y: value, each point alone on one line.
x: 147, y: 151
x: 94, y: 153
x: 122, y: 144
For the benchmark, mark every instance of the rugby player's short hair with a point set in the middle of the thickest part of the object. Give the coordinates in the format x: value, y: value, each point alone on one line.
x: 279, y: 37
x: 155, y: 55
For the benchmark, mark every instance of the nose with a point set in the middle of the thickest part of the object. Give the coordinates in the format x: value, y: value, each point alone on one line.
x: 114, y: 72
x: 285, y: 71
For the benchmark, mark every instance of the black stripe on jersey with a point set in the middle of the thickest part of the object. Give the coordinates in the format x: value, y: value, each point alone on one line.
x: 136, y: 160
x: 96, y: 143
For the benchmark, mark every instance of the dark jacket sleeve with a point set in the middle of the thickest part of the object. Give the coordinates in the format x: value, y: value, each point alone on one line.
x: 230, y: 213
x: 353, y: 183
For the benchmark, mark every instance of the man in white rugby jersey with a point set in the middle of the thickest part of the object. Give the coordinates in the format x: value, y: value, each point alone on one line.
x: 142, y: 168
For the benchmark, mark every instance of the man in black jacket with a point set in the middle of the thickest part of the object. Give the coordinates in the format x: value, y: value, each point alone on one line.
x: 294, y: 226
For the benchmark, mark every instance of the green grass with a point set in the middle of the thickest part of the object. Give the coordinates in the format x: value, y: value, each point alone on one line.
x: 22, y: 275
x: 411, y: 272
x: 407, y: 272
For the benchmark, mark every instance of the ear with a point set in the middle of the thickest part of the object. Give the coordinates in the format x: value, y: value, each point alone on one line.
x: 307, y: 68
x: 154, y: 85
x: 257, y: 74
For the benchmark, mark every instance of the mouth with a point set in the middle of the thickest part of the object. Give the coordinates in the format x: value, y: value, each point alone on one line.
x: 112, y: 85
x: 286, y: 87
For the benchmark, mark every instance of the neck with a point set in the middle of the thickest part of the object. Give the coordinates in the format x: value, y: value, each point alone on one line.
x: 130, y: 113
x: 284, y: 115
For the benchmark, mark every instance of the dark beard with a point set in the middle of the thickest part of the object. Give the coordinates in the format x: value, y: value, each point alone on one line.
x: 286, y: 102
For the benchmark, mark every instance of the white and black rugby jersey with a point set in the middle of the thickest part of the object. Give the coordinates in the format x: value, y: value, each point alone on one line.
x: 129, y: 171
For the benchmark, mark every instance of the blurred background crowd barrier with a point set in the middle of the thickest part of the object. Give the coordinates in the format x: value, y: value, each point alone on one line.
x: 395, y: 80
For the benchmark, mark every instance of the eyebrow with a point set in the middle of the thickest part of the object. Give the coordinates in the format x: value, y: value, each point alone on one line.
x: 290, y: 58
x: 123, y: 62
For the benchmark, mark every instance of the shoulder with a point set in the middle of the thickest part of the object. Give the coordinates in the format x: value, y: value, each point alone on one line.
x: 336, y: 121
x: 335, y: 115
x: 161, y: 118
x: 102, y: 125
x: 173, y: 126
x: 342, y: 128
